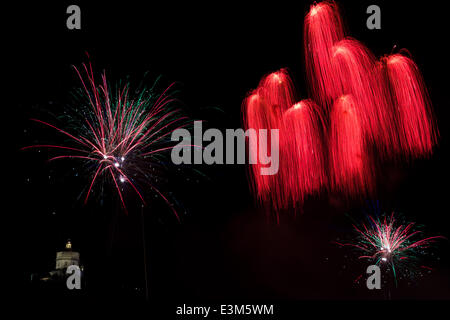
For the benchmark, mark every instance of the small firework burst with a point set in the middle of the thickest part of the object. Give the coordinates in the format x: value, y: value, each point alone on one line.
x: 120, y: 135
x: 392, y: 245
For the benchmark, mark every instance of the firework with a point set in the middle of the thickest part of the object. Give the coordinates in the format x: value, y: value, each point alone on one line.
x: 409, y: 94
x: 278, y: 91
x: 323, y: 28
x: 350, y: 164
x: 363, y: 111
x: 121, y: 135
x: 302, y: 154
x: 359, y: 75
x: 258, y: 116
x: 263, y: 109
x: 385, y: 242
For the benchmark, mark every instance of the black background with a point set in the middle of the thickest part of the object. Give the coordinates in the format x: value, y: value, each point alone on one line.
x: 224, y: 249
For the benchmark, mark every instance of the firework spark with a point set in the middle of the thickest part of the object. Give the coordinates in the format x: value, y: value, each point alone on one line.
x: 264, y: 109
x: 385, y: 242
x: 350, y: 165
x: 358, y: 74
x: 120, y: 136
x: 417, y: 131
x: 323, y: 28
x: 258, y: 115
x: 302, y: 151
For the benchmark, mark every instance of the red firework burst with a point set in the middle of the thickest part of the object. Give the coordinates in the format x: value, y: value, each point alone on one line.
x: 365, y: 105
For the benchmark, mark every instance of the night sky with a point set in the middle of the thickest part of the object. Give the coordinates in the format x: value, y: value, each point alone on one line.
x: 224, y: 248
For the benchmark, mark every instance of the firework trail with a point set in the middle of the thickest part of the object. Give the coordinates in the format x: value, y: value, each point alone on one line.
x: 387, y: 243
x: 358, y: 74
x: 323, y: 28
x: 279, y: 92
x: 370, y: 110
x: 417, y: 131
x: 272, y: 106
x: 121, y: 135
x: 303, y: 172
x: 257, y: 114
x: 263, y: 109
x: 349, y: 162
